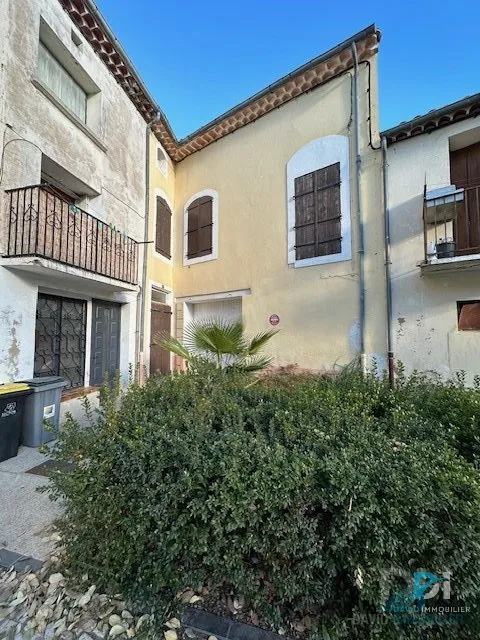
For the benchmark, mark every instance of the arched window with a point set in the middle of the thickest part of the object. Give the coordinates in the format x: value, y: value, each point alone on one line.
x: 162, y: 163
x: 201, y: 233
x: 318, y: 203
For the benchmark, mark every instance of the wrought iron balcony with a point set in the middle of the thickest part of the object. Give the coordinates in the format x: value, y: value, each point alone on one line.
x: 44, y: 225
x: 451, y: 219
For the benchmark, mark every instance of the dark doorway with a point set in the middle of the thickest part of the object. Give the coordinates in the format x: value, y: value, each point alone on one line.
x: 105, y: 355
x: 160, y: 322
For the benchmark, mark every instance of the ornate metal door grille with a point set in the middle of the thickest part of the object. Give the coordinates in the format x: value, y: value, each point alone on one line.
x: 60, y: 338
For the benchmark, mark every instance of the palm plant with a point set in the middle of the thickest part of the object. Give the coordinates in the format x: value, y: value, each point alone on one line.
x: 221, y: 343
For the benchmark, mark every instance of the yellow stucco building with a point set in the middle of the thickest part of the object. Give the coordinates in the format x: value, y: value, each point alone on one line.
x: 257, y: 216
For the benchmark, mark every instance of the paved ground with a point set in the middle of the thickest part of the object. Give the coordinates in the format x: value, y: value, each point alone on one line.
x: 25, y: 514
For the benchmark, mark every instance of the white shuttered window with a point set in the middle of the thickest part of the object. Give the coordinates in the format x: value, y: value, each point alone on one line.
x: 61, y: 83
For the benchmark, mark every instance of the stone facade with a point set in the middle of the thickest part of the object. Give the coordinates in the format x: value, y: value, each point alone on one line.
x: 100, y: 160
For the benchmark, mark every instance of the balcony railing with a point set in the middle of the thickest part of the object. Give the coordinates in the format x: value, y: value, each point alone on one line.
x: 44, y: 225
x: 451, y: 219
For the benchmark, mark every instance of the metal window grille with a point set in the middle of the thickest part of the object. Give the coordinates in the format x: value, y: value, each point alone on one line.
x: 60, y: 338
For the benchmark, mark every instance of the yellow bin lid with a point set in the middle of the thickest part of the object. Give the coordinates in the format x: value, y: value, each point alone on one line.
x: 13, y: 387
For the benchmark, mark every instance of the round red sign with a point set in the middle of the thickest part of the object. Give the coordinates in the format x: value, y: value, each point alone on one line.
x: 274, y: 319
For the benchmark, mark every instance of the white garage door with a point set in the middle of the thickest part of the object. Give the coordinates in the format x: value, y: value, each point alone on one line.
x: 230, y: 310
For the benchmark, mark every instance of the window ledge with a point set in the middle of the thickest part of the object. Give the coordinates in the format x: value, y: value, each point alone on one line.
x: 159, y: 256
x: 189, y: 261
x: 66, y: 112
x: 319, y: 260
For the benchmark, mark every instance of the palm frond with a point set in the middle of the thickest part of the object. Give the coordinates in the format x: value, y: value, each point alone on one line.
x: 169, y: 343
x: 221, y: 342
x: 197, y: 337
x: 260, y: 340
x: 215, y: 336
x: 228, y: 336
x: 252, y: 364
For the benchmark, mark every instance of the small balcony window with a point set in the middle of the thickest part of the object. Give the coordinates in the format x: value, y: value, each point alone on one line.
x: 452, y: 223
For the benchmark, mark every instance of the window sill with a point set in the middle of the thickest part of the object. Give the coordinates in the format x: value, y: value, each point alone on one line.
x: 189, y: 261
x: 159, y: 256
x: 319, y: 260
x: 79, y: 392
x: 66, y: 112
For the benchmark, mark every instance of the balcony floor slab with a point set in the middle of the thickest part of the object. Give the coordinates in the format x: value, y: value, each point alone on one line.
x: 65, y: 275
x: 458, y: 263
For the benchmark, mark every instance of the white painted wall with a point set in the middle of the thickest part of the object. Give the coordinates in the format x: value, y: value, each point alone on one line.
x: 425, y: 307
x: 111, y: 162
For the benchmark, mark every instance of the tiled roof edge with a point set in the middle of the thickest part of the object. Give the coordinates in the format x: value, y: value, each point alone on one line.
x: 468, y: 107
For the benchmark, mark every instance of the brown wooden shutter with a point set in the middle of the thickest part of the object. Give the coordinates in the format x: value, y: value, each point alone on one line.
x: 160, y: 322
x: 318, y: 213
x: 163, y: 228
x: 469, y: 316
x: 200, y: 227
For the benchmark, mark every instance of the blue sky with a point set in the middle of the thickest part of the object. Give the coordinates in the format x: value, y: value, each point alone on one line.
x: 200, y: 58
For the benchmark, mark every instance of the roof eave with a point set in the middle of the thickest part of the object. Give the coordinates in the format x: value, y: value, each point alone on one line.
x: 463, y: 109
x: 361, y: 35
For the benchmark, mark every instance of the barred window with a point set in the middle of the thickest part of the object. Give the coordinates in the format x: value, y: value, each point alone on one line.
x: 60, y: 338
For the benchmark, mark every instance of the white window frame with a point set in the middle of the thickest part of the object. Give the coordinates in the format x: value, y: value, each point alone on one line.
x: 162, y: 165
x: 211, y: 256
x: 315, y: 155
x: 161, y: 193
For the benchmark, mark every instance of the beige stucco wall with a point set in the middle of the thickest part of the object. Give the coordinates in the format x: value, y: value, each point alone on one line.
x: 425, y: 306
x: 317, y: 305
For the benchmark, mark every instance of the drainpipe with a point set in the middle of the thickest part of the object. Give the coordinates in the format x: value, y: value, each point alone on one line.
x: 388, y: 262
x: 141, y: 299
x: 361, y: 241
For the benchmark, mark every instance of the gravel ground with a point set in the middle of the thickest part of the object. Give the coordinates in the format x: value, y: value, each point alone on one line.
x: 41, y: 605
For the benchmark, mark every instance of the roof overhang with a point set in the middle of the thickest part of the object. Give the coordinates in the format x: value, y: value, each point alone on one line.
x: 436, y: 119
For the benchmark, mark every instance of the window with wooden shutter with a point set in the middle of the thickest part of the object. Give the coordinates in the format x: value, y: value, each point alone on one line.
x: 163, y: 231
x: 318, y: 216
x: 469, y: 315
x: 200, y: 227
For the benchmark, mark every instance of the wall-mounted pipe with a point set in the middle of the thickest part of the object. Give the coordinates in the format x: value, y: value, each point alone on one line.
x: 388, y: 262
x: 141, y: 300
x: 360, y: 230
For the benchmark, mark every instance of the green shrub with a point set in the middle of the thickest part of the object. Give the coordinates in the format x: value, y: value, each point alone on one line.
x: 322, y: 496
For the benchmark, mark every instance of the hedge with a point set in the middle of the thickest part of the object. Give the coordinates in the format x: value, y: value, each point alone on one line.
x: 316, y: 496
